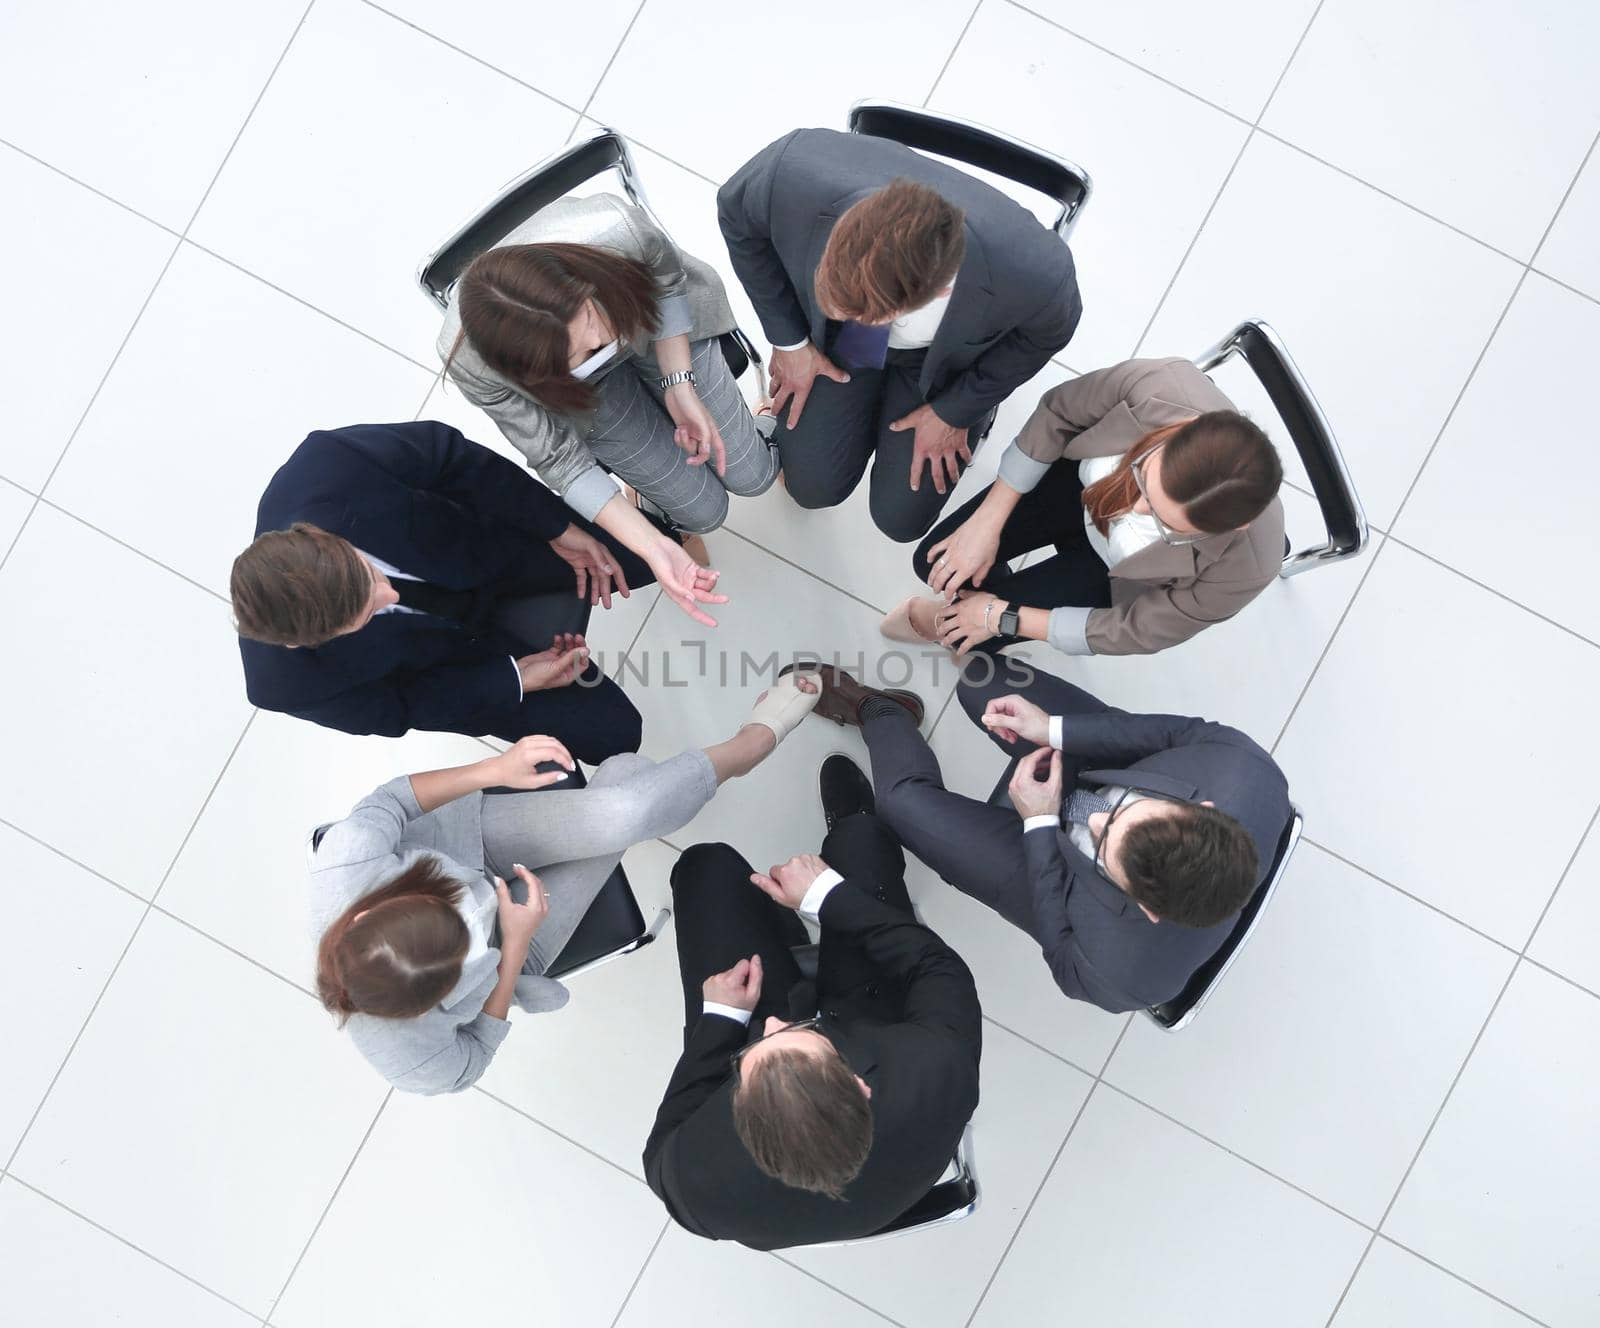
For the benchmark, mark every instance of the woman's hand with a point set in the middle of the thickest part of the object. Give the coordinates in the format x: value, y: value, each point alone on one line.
x: 518, y: 766
x: 1032, y: 796
x: 1013, y: 718
x: 519, y: 922
x: 559, y: 666
x: 965, y: 556
x: 970, y: 621
x: 697, y: 432
x: 597, y: 570
x: 684, y: 581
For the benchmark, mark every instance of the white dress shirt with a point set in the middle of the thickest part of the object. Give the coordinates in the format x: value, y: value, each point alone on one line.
x: 914, y: 329
x: 1126, y: 534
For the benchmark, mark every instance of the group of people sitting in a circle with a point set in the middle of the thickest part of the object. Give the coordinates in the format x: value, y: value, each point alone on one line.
x: 403, y: 577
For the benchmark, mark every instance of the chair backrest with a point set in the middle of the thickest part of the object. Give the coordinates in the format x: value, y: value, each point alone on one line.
x: 613, y: 926
x: 1174, y: 1014
x: 553, y: 178
x: 977, y: 145
x: 1263, y: 350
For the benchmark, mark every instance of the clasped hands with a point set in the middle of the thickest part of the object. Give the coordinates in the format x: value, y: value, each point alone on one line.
x: 787, y: 884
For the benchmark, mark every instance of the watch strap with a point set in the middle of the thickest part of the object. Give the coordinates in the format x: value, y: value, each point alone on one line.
x: 681, y: 376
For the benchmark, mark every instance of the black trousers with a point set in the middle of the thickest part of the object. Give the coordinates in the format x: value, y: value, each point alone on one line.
x: 721, y: 917
x: 974, y: 846
x: 591, y: 716
x: 1051, y: 515
x: 846, y: 425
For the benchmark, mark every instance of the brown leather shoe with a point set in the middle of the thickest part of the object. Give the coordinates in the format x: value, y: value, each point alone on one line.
x: 842, y: 695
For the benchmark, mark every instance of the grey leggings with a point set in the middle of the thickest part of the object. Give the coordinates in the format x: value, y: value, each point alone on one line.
x: 631, y: 436
x: 573, y: 839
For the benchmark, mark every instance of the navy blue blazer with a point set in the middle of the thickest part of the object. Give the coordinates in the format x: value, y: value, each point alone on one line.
x: 428, y: 501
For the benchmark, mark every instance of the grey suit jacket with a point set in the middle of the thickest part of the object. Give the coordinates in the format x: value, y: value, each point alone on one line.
x: 449, y: 1047
x: 1166, y: 593
x: 694, y: 302
x: 1100, y: 945
x: 1016, y: 297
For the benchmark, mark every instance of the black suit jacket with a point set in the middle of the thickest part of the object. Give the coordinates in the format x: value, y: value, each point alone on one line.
x: 914, y: 1034
x: 1016, y: 296
x: 424, y: 499
x: 1100, y: 945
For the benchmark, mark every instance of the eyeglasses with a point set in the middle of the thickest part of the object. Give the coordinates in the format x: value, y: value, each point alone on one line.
x: 1104, y: 836
x: 1167, y: 533
x: 799, y: 1025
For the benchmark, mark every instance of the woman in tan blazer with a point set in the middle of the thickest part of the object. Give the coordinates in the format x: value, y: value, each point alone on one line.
x: 1159, y: 499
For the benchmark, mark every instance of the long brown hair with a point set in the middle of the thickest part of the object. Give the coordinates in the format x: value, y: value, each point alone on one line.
x: 516, y: 302
x: 396, y: 952
x: 891, y: 252
x: 298, y: 587
x: 1219, y: 466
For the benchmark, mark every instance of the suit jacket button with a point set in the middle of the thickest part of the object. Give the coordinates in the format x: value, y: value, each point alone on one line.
x: 874, y: 990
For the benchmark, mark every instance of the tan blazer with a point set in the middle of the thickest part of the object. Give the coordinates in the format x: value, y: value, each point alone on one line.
x: 1165, y: 593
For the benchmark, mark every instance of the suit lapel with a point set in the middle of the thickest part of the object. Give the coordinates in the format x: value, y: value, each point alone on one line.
x: 1145, y: 781
x: 966, y: 314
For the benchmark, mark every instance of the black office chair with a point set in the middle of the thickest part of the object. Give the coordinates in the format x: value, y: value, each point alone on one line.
x: 551, y: 179
x: 1174, y: 1014
x: 1263, y: 350
x: 954, y: 1195
x: 973, y: 144
x: 613, y: 926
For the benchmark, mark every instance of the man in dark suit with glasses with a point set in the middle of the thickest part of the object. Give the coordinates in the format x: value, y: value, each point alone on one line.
x: 805, y: 1111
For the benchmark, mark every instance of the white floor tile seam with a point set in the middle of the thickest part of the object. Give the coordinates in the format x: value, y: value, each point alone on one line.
x: 654, y: 1246
x: 615, y: 52
x: 1465, y: 1281
x: 949, y: 59
x: 1545, y: 238
x: 61, y: 510
x: 779, y: 1256
x: 328, y: 1207
x: 83, y: 184
x: 565, y: 1138
x: 122, y: 955
x: 10, y: 1178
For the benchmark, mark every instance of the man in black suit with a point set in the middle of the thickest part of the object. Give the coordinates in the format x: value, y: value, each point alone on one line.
x: 846, y: 1098
x: 1131, y: 842
x: 403, y: 578
x: 904, y: 300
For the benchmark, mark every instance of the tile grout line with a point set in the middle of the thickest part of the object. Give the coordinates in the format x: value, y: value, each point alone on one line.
x: 639, y: 1276
x: 84, y: 184
x: 123, y: 1240
x: 1459, y: 1074
x: 950, y: 59
x: 328, y: 1207
x: 1483, y: 1291
x: 822, y: 1281
x: 122, y: 955
x: 551, y: 1129
x: 600, y: 82
x: 1561, y: 206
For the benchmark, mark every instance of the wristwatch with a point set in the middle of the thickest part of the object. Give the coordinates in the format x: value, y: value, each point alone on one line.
x: 682, y: 376
x: 1010, y: 622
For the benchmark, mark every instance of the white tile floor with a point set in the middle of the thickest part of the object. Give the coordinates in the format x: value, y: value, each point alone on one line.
x: 1386, y: 1115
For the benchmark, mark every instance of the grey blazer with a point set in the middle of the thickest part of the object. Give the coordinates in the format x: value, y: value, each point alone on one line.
x: 1016, y: 296
x: 694, y: 301
x: 449, y: 1047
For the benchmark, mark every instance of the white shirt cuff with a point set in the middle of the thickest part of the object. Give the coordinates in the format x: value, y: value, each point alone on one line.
x: 1055, y: 732
x: 521, y: 692
x: 732, y: 1012
x: 811, y: 905
x: 1041, y: 822
x: 796, y: 345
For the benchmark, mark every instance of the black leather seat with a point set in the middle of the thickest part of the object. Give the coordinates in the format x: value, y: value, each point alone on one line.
x: 613, y: 924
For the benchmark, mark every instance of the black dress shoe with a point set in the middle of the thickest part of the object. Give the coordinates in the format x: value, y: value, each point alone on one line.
x: 845, y: 789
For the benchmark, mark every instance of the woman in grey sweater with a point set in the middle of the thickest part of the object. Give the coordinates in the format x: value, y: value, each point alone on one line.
x: 424, y: 947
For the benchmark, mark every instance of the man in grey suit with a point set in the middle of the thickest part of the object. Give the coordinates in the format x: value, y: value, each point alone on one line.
x: 1134, y: 840
x: 904, y: 300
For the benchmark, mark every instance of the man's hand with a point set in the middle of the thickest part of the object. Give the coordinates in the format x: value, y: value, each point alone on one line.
x: 518, y: 766
x: 684, y: 581
x: 788, y: 882
x: 596, y: 569
x: 739, y: 986
x: 1032, y: 796
x: 1013, y: 718
x: 941, y: 445
x: 965, y: 555
x: 792, y: 374
x: 697, y: 432
x: 559, y: 666
x: 970, y: 621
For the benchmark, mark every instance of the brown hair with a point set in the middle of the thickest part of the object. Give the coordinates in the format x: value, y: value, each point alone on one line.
x: 1220, y: 466
x: 1195, y: 867
x: 298, y: 587
x: 516, y: 302
x: 893, y: 251
x: 403, y: 954
x: 804, y: 1119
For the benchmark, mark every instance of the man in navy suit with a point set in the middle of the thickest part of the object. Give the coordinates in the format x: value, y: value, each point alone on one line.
x: 403, y: 577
